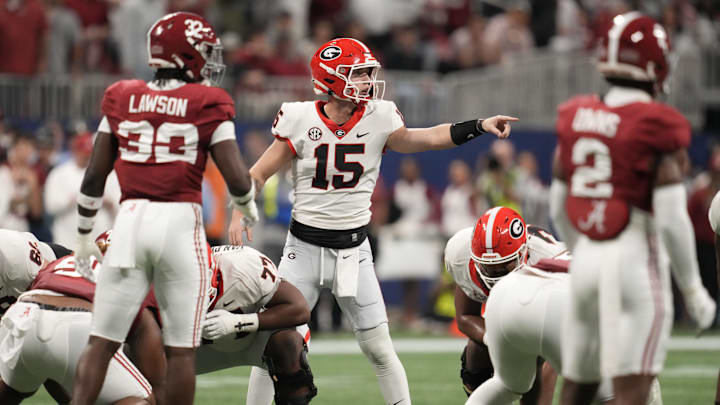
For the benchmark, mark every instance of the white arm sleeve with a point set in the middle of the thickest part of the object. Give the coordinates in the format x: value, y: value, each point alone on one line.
x: 224, y: 132
x: 677, y: 234
x: 493, y: 392
x: 558, y: 214
x: 104, y: 126
x: 714, y: 213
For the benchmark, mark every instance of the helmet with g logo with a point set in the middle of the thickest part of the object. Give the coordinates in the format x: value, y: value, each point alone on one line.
x: 499, y: 244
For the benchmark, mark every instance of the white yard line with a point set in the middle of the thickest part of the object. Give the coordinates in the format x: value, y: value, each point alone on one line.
x: 455, y: 345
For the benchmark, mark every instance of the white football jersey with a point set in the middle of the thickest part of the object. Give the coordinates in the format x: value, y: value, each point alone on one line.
x: 541, y: 247
x: 22, y: 256
x: 249, y: 278
x: 336, y: 166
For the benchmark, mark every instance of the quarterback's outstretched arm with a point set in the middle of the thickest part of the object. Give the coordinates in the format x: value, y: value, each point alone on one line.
x: 676, y: 231
x: 446, y: 136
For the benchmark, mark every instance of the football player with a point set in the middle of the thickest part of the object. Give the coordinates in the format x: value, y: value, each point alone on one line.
x: 524, y: 310
x: 158, y: 135
x: 335, y: 147
x: 22, y: 255
x: 252, y: 321
x: 618, y: 180
x: 464, y: 259
x: 43, y: 334
x: 714, y: 217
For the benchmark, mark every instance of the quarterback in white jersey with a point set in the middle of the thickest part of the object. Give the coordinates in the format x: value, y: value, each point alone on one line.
x: 22, y: 256
x: 335, y: 147
x: 252, y: 322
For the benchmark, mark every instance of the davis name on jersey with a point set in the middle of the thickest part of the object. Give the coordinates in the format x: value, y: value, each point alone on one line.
x: 163, y: 136
x: 336, y: 166
x: 22, y: 256
x: 245, y: 279
x: 608, y: 152
x: 544, y: 252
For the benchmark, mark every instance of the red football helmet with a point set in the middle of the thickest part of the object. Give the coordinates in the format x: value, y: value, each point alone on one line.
x: 103, y: 241
x: 635, y: 47
x: 499, y: 244
x: 333, y: 66
x: 186, y: 41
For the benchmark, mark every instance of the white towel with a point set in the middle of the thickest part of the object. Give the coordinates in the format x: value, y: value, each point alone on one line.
x: 347, y: 269
x: 121, y: 253
x: 16, y: 322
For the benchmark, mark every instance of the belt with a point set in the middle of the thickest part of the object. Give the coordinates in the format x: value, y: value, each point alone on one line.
x: 56, y: 308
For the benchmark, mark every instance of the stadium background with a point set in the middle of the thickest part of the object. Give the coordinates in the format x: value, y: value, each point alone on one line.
x: 444, y: 61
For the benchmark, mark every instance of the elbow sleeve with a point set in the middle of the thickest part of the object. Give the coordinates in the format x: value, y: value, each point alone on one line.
x: 677, y: 234
x: 558, y: 214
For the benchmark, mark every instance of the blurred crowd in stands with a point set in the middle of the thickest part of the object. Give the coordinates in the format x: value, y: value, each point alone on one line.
x: 277, y: 37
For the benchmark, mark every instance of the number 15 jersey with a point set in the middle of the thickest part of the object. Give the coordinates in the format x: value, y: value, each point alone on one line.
x: 335, y: 166
x: 164, y: 133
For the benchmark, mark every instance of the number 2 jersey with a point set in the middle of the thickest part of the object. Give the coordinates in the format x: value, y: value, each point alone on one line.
x: 335, y: 166
x: 164, y: 131
x: 609, y: 150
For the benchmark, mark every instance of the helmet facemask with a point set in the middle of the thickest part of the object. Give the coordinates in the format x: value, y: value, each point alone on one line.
x: 376, y: 89
x: 214, y: 69
x: 492, y: 268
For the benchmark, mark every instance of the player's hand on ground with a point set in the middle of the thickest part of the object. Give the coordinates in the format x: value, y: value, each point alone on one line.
x: 219, y: 323
x: 86, y: 248
x: 498, y: 125
x: 238, y: 226
x: 700, y: 306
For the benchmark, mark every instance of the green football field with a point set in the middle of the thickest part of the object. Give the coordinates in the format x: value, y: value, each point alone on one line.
x: 343, y: 375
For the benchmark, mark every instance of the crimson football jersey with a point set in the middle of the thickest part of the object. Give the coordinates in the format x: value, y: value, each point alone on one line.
x: 163, y: 135
x: 60, y: 276
x: 609, y: 151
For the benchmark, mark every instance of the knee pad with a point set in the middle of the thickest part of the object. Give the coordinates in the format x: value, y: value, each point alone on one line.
x: 377, y: 345
x: 472, y: 379
x: 285, y: 383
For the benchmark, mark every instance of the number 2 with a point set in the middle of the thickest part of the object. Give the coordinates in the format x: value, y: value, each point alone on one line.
x: 591, y: 181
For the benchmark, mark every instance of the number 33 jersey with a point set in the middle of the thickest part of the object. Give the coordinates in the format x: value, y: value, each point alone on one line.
x: 609, y: 150
x: 163, y: 134
x: 335, y: 166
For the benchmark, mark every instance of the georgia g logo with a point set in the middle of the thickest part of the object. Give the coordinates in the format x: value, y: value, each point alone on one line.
x: 330, y: 53
x: 517, y: 229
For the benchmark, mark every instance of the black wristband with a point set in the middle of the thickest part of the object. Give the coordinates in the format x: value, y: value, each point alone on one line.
x: 461, y: 132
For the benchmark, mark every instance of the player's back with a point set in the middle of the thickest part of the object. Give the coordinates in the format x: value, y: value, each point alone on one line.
x: 246, y: 279
x: 609, y: 150
x: 164, y: 129
x: 526, y: 308
x: 22, y: 255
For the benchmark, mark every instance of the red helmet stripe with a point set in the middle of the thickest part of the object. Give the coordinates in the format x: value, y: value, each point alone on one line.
x: 489, y: 231
x: 620, y: 23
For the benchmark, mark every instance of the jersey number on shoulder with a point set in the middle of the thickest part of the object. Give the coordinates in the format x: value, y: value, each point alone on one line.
x: 268, y: 269
x: 170, y: 142
x: 591, y: 181
x: 341, y: 164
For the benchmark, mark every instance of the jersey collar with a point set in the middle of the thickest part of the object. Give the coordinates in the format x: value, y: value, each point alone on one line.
x: 619, y: 96
x: 476, y: 279
x: 339, y: 130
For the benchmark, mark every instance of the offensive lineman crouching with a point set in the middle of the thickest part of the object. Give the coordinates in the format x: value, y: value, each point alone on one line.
x: 253, y: 316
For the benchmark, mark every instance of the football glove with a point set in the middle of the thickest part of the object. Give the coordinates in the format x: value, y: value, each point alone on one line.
x: 86, y: 248
x: 246, y: 205
x: 700, y: 306
x: 219, y: 323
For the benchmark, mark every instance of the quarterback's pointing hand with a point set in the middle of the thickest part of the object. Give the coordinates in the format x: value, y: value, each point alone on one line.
x: 498, y: 125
